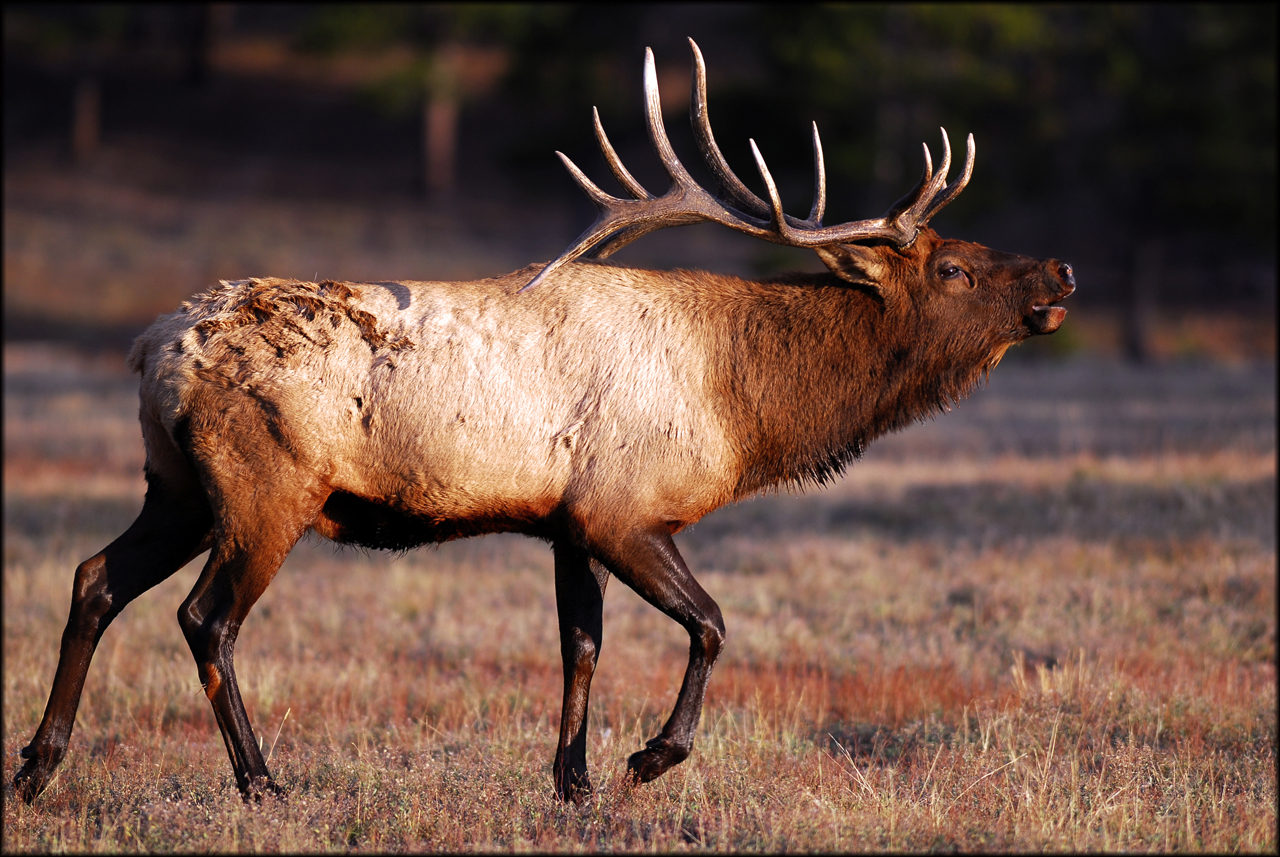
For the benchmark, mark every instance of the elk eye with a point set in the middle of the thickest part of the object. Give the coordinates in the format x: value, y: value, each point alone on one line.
x: 950, y: 272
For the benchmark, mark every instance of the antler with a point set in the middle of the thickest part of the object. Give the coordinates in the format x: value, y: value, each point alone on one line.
x: 622, y: 221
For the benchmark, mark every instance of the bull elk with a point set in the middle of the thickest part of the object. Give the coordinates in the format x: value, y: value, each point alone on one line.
x: 599, y: 408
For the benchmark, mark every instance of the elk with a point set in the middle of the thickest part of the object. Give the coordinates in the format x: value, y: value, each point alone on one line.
x: 599, y: 408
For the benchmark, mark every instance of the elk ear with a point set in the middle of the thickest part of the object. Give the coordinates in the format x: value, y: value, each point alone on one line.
x: 855, y: 263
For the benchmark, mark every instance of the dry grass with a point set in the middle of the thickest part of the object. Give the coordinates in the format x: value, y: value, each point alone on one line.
x: 1023, y: 641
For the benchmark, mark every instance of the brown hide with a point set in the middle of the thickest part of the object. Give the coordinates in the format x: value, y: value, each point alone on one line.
x: 605, y: 395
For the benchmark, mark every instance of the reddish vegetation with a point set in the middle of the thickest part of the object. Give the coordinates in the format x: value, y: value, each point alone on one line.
x: 888, y: 696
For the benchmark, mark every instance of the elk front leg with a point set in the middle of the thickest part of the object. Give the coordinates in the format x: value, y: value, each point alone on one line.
x: 167, y: 534
x: 649, y: 563
x: 580, y: 584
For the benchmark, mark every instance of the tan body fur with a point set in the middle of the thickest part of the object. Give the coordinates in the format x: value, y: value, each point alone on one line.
x: 459, y: 403
x: 478, y: 410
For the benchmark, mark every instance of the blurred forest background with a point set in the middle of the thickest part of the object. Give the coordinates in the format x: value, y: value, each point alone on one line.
x: 151, y: 150
x: 1044, y: 622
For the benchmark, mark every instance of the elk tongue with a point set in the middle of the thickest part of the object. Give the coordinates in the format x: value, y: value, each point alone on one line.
x: 1045, y: 319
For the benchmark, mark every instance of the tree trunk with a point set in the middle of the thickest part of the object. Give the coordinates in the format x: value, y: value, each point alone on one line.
x: 209, y: 24
x: 86, y: 119
x: 440, y: 120
x: 1144, y: 287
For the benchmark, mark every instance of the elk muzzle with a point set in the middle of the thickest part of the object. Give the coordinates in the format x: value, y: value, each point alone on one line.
x: 1046, y: 318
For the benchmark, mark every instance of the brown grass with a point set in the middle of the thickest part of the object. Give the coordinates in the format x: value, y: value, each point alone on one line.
x: 983, y: 649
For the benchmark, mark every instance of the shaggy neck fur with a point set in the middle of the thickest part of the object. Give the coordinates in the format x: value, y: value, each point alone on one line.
x: 815, y: 369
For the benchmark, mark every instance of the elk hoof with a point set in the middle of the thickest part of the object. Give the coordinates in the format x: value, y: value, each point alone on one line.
x: 654, y: 760
x: 31, y: 780
x: 262, y: 787
x: 575, y: 788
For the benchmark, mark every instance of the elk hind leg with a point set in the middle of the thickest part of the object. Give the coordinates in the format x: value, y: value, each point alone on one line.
x: 580, y: 584
x: 171, y: 530
x: 240, y: 567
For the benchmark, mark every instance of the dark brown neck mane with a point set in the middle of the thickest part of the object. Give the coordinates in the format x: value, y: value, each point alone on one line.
x: 814, y: 369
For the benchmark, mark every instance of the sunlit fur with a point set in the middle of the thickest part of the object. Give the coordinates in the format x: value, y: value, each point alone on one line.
x: 605, y: 394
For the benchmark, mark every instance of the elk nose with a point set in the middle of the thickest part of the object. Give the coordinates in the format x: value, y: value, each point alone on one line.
x: 1064, y: 274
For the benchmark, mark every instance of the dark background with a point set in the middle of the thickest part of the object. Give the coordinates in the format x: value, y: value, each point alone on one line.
x: 150, y: 150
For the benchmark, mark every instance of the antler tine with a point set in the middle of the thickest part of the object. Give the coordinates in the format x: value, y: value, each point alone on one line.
x: 620, y: 172
x: 912, y: 195
x: 681, y: 182
x: 912, y: 216
x: 599, y: 197
x: 952, y: 190
x: 657, y: 131
x: 801, y: 233
x: 730, y: 184
x: 779, y: 219
x: 820, y: 181
x: 595, y: 232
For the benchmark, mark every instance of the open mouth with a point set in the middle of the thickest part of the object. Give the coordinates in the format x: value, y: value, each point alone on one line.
x: 1044, y: 319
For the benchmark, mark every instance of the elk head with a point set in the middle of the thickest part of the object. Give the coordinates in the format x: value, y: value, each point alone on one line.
x: 959, y: 291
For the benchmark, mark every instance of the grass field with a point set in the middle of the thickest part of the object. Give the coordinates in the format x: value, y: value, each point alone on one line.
x: 1044, y: 621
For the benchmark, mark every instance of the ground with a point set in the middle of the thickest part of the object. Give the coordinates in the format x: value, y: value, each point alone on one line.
x: 1044, y: 621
